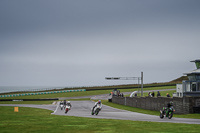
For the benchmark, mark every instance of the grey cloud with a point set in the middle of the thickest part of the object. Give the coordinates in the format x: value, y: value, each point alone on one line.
x: 81, y: 42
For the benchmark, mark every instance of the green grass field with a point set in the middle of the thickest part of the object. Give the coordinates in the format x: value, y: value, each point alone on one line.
x: 41, y: 121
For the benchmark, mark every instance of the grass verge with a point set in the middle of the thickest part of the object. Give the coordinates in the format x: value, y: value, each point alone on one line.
x: 40, y: 121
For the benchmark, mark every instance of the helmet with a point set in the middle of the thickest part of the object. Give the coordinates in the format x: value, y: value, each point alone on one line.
x: 99, y: 101
x: 171, y: 103
x: 68, y: 101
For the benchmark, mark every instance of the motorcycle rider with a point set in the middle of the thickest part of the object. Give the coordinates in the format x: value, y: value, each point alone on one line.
x: 169, y: 105
x: 61, y: 105
x: 97, y: 103
x: 69, y: 104
x: 61, y: 102
x: 64, y: 103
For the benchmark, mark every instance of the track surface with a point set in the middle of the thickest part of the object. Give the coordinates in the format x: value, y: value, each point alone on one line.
x: 83, y: 109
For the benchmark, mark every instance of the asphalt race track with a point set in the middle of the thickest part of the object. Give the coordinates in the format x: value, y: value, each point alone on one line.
x: 83, y: 109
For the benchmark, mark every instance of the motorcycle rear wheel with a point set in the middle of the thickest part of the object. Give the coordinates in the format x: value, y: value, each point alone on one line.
x: 92, y: 113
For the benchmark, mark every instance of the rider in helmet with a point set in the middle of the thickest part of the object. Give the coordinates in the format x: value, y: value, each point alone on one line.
x: 61, y: 103
x: 69, y: 104
x: 166, y: 108
x: 97, y: 103
x: 169, y: 105
x: 65, y: 102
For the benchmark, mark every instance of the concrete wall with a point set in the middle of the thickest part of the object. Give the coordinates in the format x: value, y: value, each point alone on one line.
x: 182, y: 105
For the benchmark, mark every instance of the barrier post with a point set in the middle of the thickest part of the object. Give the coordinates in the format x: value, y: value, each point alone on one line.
x: 16, y: 109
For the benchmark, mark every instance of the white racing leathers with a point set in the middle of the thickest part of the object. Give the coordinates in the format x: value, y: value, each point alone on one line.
x: 97, y: 107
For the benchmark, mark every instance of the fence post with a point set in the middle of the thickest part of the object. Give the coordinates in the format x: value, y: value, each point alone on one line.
x: 125, y: 100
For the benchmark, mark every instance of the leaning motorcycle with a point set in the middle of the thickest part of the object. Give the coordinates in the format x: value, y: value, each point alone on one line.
x: 61, y: 106
x: 167, y: 112
x: 67, y: 108
x: 96, y: 110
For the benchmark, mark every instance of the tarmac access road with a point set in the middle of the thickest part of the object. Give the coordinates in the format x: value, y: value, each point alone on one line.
x: 83, y: 109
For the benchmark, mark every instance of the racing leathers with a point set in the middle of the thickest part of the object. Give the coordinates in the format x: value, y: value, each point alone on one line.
x: 97, y: 103
x: 69, y: 104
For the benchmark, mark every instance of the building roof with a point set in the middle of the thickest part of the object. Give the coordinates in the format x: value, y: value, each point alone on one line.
x: 197, y: 60
x: 196, y: 71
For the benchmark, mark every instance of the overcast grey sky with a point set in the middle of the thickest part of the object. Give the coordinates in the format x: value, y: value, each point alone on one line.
x: 80, y: 42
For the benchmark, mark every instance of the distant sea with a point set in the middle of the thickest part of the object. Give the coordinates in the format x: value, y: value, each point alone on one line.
x: 4, y: 89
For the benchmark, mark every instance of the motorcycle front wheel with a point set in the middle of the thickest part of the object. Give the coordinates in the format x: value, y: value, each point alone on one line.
x: 66, y: 111
x: 97, y: 111
x: 161, y: 115
x: 170, y: 115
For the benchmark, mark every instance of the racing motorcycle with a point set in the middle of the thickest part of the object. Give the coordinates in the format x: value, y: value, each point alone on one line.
x: 96, y: 110
x: 61, y: 106
x: 67, y: 108
x: 167, y: 112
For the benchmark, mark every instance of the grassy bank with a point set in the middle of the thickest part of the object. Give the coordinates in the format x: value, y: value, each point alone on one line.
x: 84, y: 93
x: 40, y: 121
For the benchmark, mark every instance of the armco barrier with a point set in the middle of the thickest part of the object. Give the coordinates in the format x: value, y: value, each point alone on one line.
x: 17, y: 100
x: 41, y: 93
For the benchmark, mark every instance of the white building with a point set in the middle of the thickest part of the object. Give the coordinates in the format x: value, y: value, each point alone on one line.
x: 190, y: 87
